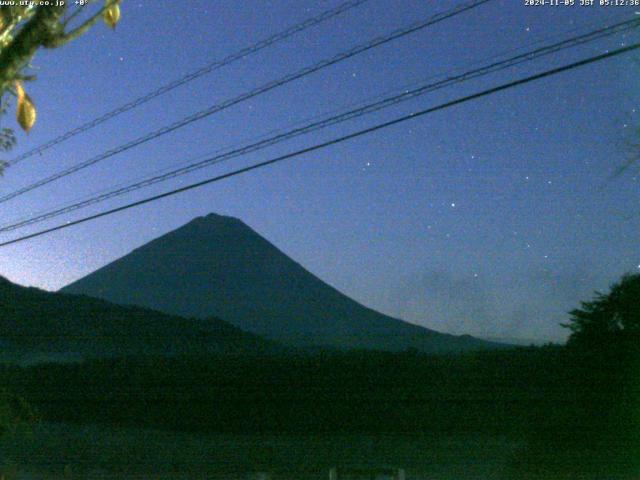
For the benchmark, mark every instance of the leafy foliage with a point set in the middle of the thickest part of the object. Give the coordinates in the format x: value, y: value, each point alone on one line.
x: 25, y: 27
x: 609, y: 320
x: 14, y: 410
x: 7, y: 137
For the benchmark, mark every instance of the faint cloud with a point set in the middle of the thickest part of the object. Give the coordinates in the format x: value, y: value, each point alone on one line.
x: 526, y: 305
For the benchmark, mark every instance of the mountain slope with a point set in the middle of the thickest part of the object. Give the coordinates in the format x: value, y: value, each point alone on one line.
x: 39, y: 324
x: 217, y: 265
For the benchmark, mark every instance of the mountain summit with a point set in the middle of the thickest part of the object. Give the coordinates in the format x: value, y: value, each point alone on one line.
x: 218, y: 266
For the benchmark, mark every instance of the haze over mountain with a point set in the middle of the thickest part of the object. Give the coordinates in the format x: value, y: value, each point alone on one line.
x: 218, y: 266
x: 37, y: 325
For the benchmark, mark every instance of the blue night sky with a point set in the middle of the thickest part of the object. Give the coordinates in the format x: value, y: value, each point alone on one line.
x: 492, y: 218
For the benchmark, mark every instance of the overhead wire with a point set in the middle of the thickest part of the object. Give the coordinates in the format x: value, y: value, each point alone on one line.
x: 334, y: 141
x: 209, y: 68
x: 331, y: 120
x: 378, y: 41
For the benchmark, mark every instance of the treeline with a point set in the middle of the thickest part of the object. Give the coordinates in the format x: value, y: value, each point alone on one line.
x: 558, y: 399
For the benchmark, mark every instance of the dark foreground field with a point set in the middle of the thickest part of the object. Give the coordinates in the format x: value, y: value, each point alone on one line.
x: 111, y: 452
x: 527, y: 413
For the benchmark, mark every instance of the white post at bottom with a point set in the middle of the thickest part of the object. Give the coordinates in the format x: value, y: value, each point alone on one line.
x: 333, y: 473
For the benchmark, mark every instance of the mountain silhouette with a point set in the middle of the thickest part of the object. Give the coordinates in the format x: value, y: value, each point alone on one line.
x: 37, y: 325
x: 218, y: 266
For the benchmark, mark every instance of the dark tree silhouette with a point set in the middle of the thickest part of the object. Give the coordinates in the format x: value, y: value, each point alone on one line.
x: 14, y: 410
x: 611, y: 319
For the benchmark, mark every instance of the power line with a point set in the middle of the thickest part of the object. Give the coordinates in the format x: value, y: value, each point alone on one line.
x: 334, y: 141
x: 215, y: 65
x: 405, y: 88
x: 332, y: 120
x: 253, y: 93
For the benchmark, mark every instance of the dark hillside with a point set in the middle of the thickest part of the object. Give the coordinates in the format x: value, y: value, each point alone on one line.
x: 35, y: 324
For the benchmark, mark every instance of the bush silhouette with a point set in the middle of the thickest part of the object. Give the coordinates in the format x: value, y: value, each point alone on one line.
x: 610, y: 320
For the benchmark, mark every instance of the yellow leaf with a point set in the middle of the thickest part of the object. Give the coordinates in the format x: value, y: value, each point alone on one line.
x: 111, y: 15
x: 25, y: 110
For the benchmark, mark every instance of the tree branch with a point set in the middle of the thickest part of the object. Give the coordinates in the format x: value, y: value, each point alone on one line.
x: 81, y: 29
x: 37, y: 31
